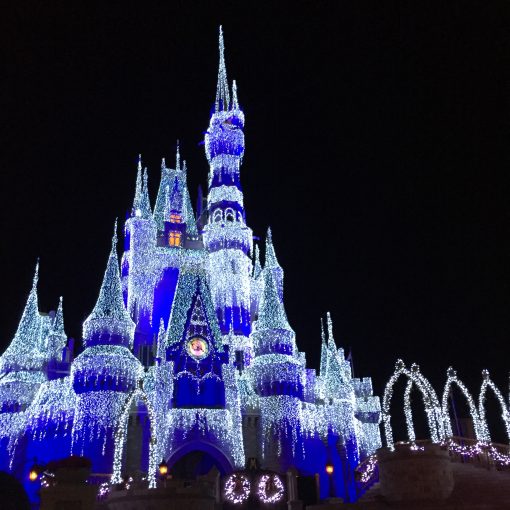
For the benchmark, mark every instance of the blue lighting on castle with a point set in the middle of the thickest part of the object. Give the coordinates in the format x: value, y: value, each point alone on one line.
x: 187, y: 349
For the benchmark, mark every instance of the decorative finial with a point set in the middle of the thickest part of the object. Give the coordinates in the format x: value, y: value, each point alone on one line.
x: 163, y: 163
x: 399, y: 365
x: 177, y: 157
x: 222, y: 92
x: 36, y: 273
x: 451, y: 372
x: 114, y: 238
x: 235, y: 103
x: 331, y: 339
x: 139, y: 162
x: 323, y: 334
x: 184, y: 167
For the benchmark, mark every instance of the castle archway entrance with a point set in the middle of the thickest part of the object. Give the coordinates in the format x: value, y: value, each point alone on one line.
x: 198, y: 458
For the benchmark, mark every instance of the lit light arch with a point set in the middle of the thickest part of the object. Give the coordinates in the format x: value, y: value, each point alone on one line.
x: 121, y: 436
x: 489, y: 383
x: 453, y: 379
x: 430, y: 400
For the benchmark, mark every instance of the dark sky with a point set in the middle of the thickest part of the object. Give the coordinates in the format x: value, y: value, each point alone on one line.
x: 376, y: 148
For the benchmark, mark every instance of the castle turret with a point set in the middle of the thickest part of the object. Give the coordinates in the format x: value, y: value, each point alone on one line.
x: 227, y: 238
x: 278, y: 374
x: 139, y: 243
x: 22, y: 365
x: 105, y: 371
x: 25, y: 353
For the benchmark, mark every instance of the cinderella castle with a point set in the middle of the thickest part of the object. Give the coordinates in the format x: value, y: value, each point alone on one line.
x: 188, y: 355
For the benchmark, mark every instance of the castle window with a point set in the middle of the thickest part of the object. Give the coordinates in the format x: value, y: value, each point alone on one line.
x: 229, y: 214
x: 217, y: 216
x: 174, y: 239
x: 175, y: 218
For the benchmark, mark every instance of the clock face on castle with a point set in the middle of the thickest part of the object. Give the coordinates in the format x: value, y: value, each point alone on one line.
x: 197, y: 348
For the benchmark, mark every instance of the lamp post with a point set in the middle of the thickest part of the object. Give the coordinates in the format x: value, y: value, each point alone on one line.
x: 329, y: 470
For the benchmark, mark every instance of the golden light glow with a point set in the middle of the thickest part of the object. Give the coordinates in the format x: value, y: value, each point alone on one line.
x: 329, y: 469
x: 175, y: 218
x: 174, y: 239
x: 163, y: 468
x: 33, y: 475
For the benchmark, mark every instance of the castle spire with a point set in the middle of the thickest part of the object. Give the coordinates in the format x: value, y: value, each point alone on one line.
x: 270, y: 261
x: 272, y: 312
x: 222, y: 92
x: 324, y: 352
x: 57, y: 327
x: 109, y: 314
x: 331, y: 340
x: 24, y: 347
x: 177, y: 157
x: 145, y: 203
x: 138, y: 190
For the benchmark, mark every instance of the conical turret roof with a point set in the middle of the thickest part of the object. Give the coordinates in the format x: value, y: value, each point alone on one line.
x: 270, y: 261
x: 272, y: 312
x: 23, y: 351
x: 109, y: 313
x: 222, y: 93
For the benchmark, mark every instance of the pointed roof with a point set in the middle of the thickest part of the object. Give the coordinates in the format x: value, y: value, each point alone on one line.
x: 109, y: 313
x: 177, y: 157
x: 270, y: 260
x: 222, y: 93
x: 324, y: 352
x: 23, y: 350
x: 138, y: 189
x: 57, y: 328
x: 192, y: 291
x: 257, y: 268
x: 168, y: 176
x: 145, y: 203
x: 272, y: 312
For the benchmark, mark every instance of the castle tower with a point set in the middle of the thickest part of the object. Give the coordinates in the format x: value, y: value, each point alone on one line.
x: 23, y: 362
x: 105, y: 372
x: 139, y: 242
x: 278, y: 375
x: 227, y: 238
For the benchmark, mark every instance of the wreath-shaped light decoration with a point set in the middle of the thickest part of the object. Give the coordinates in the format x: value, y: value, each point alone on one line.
x: 270, y: 489
x: 237, y: 488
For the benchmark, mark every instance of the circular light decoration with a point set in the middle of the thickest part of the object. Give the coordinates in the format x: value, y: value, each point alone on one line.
x: 237, y: 488
x: 270, y: 489
x: 197, y: 348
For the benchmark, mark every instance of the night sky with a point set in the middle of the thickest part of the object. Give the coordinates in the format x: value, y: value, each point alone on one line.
x: 376, y: 148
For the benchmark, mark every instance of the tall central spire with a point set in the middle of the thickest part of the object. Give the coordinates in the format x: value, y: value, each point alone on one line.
x: 222, y: 91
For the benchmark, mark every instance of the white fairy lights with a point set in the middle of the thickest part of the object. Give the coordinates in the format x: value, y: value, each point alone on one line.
x: 270, y: 488
x: 237, y: 488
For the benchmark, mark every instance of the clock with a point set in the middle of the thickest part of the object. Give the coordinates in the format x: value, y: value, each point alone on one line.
x: 197, y: 348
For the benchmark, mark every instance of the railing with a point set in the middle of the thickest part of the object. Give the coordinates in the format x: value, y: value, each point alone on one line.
x: 461, y: 449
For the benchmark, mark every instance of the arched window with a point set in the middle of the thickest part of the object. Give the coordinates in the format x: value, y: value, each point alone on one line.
x: 229, y: 214
x: 217, y: 216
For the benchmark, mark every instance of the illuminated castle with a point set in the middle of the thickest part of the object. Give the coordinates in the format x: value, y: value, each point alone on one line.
x: 188, y: 353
